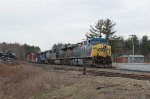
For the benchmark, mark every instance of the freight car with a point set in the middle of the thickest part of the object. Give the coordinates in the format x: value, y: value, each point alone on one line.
x: 94, y: 52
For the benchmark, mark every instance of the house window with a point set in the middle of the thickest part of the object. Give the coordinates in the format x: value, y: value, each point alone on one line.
x: 132, y: 58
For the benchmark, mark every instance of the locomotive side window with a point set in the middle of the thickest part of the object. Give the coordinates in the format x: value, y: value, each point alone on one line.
x: 104, y: 42
x: 89, y: 42
x: 85, y: 42
x: 50, y: 51
x: 94, y: 42
x: 54, y: 50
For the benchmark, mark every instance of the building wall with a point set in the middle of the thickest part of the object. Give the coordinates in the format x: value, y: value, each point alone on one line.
x: 122, y: 60
x: 130, y: 59
x: 135, y: 59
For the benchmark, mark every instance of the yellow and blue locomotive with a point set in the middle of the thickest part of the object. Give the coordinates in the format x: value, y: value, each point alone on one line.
x: 96, y: 52
x: 101, y: 52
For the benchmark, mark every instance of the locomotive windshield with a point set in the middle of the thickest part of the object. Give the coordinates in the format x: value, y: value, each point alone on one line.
x: 96, y: 41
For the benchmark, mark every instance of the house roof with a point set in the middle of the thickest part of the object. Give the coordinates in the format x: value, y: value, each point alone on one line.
x: 132, y: 56
x: 136, y: 56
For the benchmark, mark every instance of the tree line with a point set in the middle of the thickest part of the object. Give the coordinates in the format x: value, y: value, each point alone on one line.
x: 21, y: 51
x: 103, y: 28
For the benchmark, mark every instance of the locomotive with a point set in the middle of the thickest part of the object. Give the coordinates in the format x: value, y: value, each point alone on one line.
x: 7, y: 55
x: 93, y: 52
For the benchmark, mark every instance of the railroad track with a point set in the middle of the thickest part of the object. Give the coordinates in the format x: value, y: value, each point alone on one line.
x: 123, y: 75
x: 110, y: 72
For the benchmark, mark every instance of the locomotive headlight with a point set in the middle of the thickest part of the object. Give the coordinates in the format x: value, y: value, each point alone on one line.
x: 99, y: 50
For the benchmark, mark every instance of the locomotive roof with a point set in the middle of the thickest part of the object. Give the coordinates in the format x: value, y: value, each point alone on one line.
x: 69, y: 46
x: 98, y: 39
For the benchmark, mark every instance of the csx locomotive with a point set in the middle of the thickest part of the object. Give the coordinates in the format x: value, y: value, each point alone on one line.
x: 93, y: 52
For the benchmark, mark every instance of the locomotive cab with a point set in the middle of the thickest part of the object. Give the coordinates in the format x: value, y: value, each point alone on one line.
x: 101, y: 51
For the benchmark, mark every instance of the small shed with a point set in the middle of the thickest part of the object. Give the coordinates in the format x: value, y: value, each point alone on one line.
x: 122, y: 59
x: 130, y: 59
x: 135, y: 59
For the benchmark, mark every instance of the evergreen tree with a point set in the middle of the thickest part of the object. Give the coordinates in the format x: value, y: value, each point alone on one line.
x: 136, y: 42
x: 108, y: 29
x: 97, y: 30
x: 128, y: 46
x: 145, y: 45
x: 117, y: 45
x: 105, y: 27
x: 31, y: 49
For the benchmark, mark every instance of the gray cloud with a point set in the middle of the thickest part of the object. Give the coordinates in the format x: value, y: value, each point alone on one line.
x: 45, y: 22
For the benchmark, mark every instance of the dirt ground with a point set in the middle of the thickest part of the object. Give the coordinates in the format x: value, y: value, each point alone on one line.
x: 32, y: 82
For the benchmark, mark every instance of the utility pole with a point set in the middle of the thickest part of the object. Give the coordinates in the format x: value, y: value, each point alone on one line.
x: 132, y: 42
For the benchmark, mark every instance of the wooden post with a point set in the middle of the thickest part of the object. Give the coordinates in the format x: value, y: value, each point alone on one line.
x: 84, y: 66
x: 77, y: 61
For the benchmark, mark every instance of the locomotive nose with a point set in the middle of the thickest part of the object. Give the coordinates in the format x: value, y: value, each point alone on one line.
x: 102, y: 51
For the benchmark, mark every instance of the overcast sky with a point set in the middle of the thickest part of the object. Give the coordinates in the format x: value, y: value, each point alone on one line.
x: 45, y: 22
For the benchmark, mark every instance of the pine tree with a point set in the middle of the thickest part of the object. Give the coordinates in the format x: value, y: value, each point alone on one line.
x: 105, y: 27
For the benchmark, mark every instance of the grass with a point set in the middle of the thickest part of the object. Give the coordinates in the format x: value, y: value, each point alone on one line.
x: 23, y: 81
x: 31, y: 82
x: 74, y: 91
